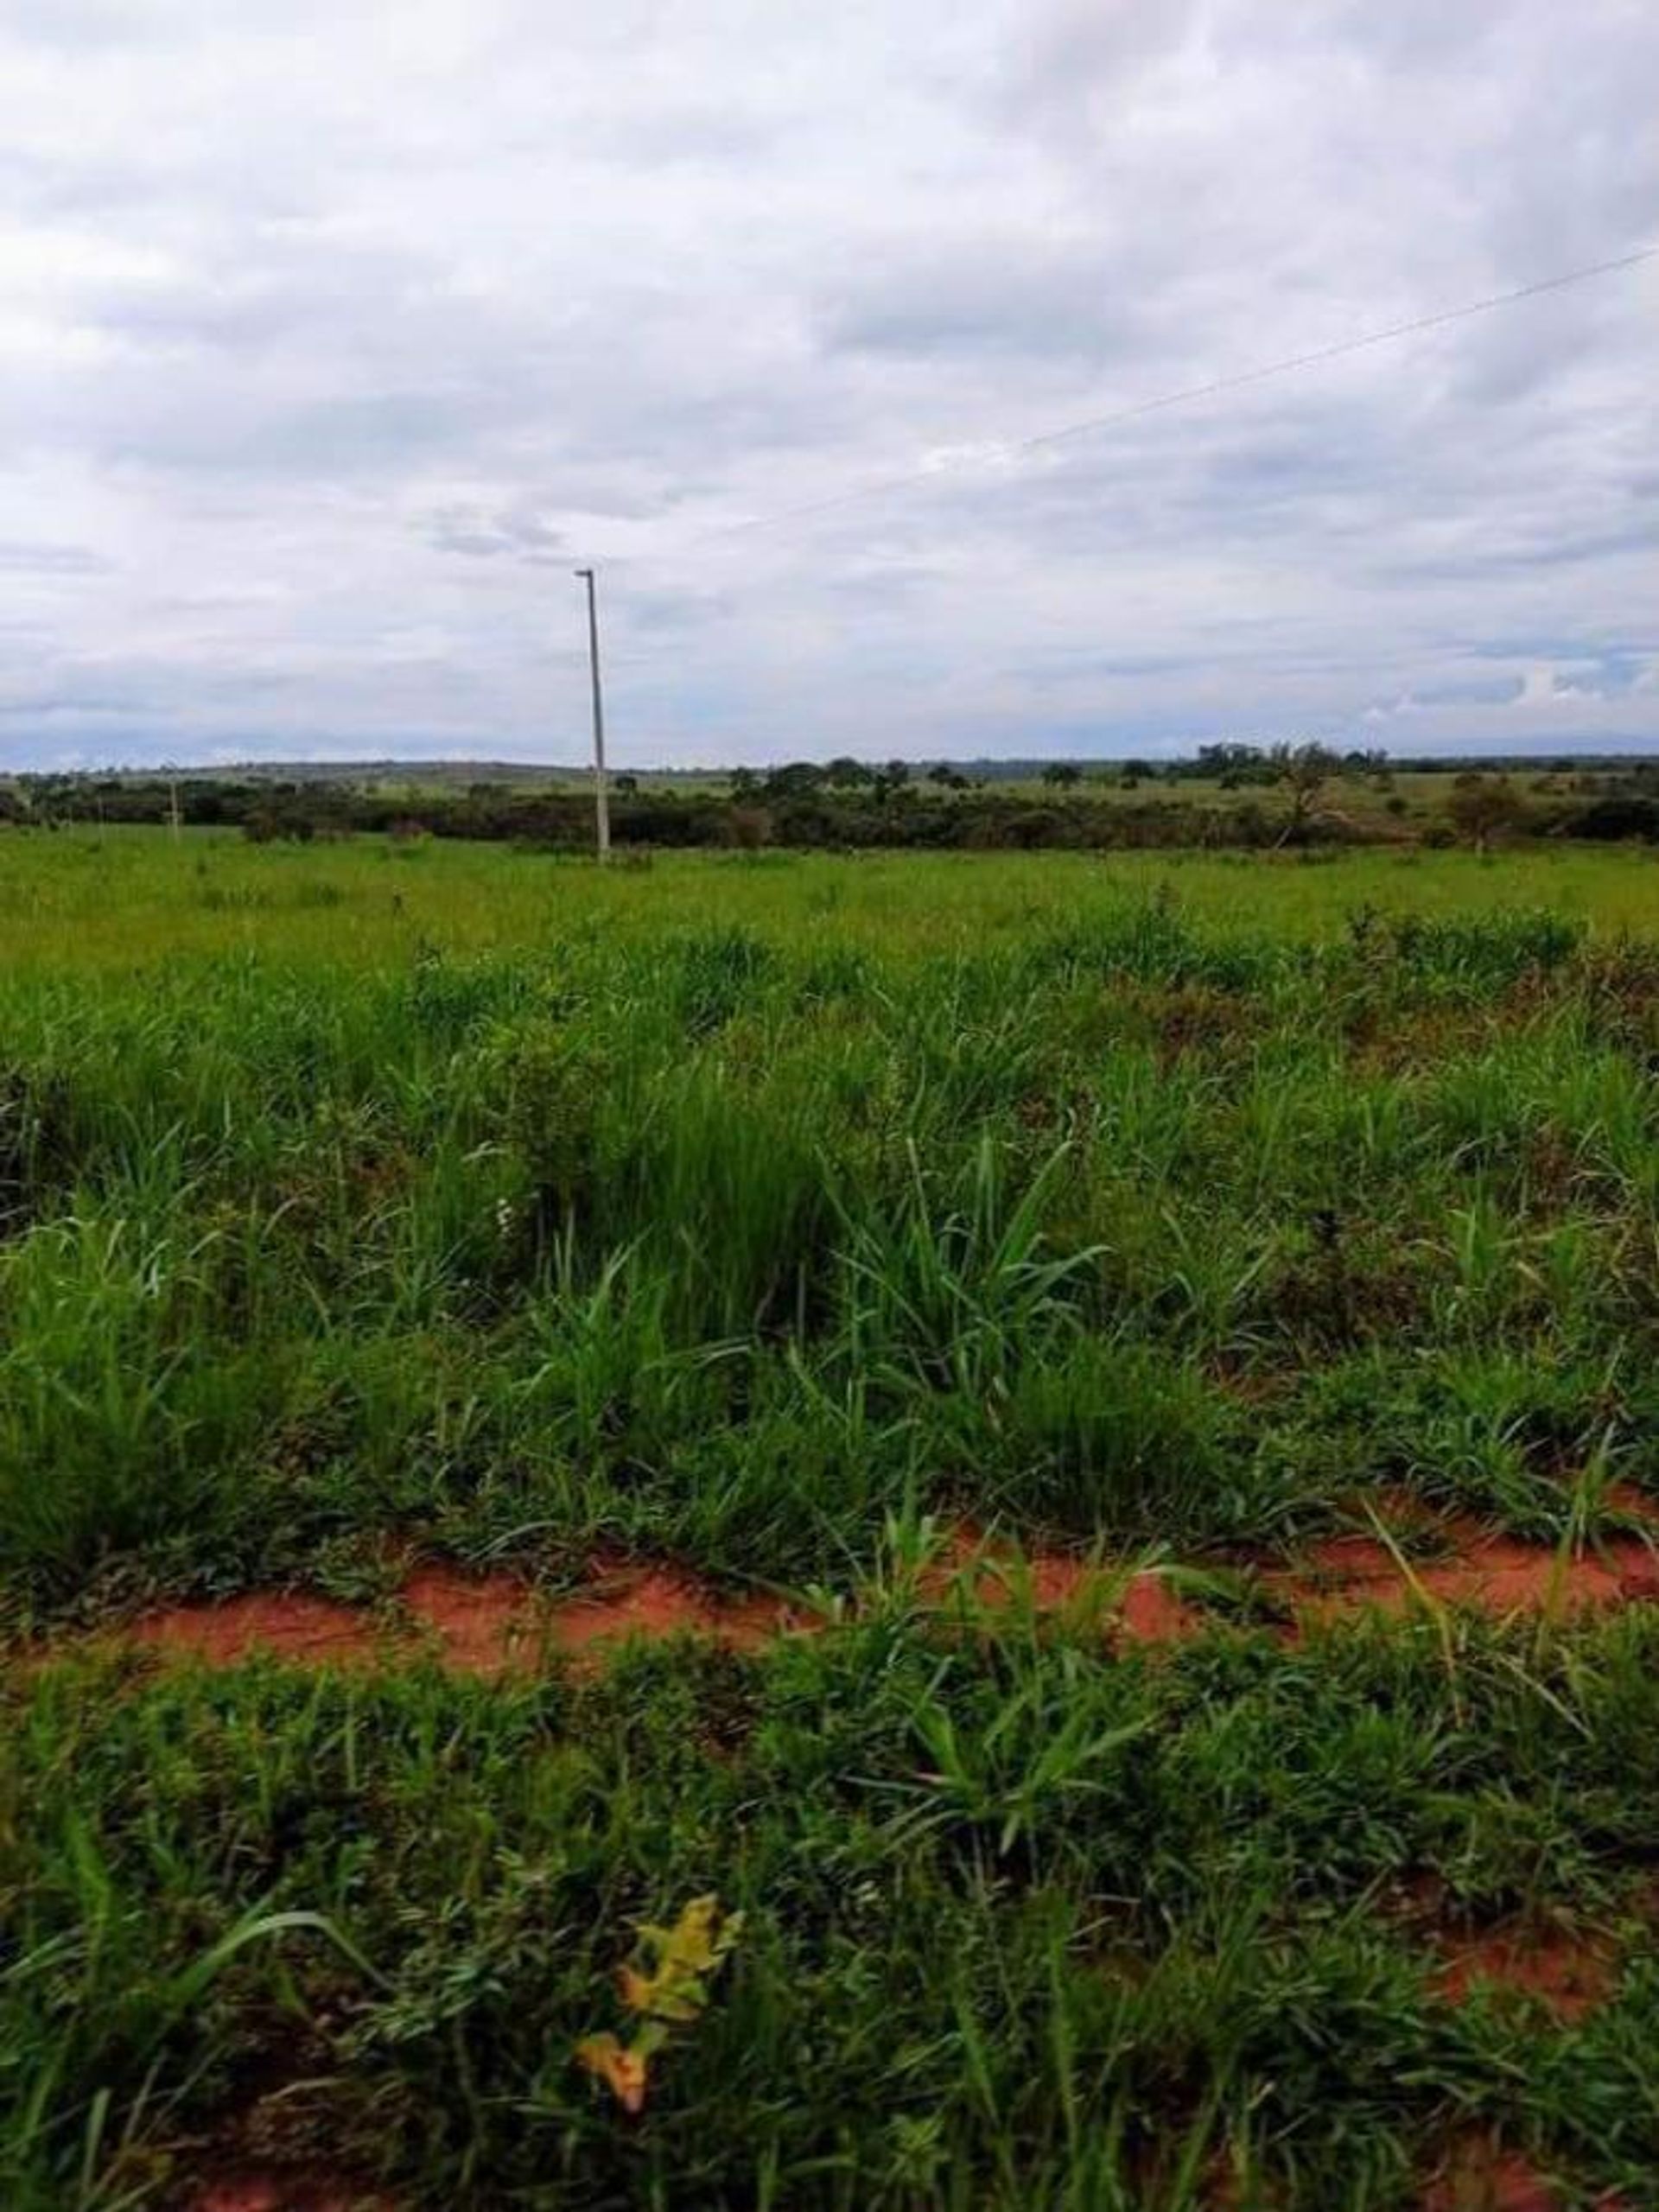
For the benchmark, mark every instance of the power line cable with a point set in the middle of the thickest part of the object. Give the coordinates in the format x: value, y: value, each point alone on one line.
x: 878, y: 487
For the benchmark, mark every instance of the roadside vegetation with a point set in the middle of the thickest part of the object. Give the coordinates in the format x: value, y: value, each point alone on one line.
x: 793, y: 1221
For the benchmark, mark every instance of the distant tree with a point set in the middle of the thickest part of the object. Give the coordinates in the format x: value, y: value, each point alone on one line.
x: 1062, y: 774
x: 626, y: 785
x: 844, y: 773
x: 1304, y: 770
x: 262, y: 825
x: 1483, y: 807
x: 947, y: 777
x: 1230, y: 763
x: 1628, y: 815
x: 794, y: 779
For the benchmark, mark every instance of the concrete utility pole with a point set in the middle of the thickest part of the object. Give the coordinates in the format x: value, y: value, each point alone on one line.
x: 602, y: 799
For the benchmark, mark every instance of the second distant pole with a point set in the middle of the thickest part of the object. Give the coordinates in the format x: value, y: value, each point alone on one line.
x: 602, y: 797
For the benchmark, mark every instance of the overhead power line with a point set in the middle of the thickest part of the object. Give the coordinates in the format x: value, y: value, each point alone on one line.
x: 1184, y: 395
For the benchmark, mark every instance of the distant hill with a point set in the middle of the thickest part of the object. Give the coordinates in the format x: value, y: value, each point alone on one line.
x: 553, y: 775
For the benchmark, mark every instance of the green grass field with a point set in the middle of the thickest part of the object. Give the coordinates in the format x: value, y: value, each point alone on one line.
x: 129, y: 899
x: 774, y: 1217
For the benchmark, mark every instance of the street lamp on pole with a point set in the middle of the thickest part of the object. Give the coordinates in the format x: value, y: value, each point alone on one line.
x: 602, y: 799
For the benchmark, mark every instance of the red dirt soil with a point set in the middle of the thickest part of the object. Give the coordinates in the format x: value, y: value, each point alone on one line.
x: 1479, y: 2178
x: 1495, y: 1575
x: 478, y: 1624
x: 492, y: 1624
x: 653, y: 1602
x: 1140, y: 1608
x: 495, y: 1623
x: 483, y: 1625
x: 311, y: 1630
x: 1571, y: 1973
x: 1482, y: 2180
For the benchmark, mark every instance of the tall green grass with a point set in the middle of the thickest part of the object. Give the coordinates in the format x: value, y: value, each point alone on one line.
x: 724, y: 1238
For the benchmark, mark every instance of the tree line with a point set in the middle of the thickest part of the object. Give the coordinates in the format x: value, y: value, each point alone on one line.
x: 1278, y: 796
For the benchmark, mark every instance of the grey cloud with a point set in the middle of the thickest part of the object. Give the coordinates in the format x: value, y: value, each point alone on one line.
x: 1061, y: 60
x: 483, y: 535
x: 76, y: 24
x: 22, y: 558
x: 1479, y: 559
x: 607, y: 287
x: 1013, y: 298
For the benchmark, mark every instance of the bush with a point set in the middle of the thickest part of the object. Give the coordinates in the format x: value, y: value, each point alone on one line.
x: 1609, y: 820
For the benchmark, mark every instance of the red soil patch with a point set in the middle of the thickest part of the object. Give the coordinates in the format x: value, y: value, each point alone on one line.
x: 307, y: 1628
x: 653, y: 1603
x: 1571, y: 1973
x: 1479, y: 2178
x: 1496, y: 1575
x: 1139, y: 1608
x: 480, y: 1624
x: 483, y: 1625
x: 1634, y: 1503
x: 1150, y: 1612
x: 494, y: 1623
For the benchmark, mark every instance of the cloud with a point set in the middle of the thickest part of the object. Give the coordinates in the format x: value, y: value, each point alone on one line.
x: 1010, y: 297
x: 23, y: 558
x: 482, y: 535
x: 328, y: 338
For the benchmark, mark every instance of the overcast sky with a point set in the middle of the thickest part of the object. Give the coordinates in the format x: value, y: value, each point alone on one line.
x: 332, y: 335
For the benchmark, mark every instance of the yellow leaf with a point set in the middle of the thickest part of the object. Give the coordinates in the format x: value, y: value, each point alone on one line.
x: 662, y: 1986
x: 691, y: 1944
x: 635, y: 1990
x: 662, y: 1996
x: 622, y: 2071
x: 695, y: 1945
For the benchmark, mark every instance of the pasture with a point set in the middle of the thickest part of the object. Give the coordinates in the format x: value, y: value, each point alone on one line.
x: 1131, y: 1380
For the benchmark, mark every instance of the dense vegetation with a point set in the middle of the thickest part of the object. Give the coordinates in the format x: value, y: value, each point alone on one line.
x: 729, y: 1242
x: 774, y: 1214
x: 1225, y: 795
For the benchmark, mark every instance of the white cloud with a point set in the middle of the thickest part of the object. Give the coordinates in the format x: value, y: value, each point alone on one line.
x: 328, y: 339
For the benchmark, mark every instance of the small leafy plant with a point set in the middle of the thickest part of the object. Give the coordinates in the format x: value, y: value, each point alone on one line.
x: 664, y: 1984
